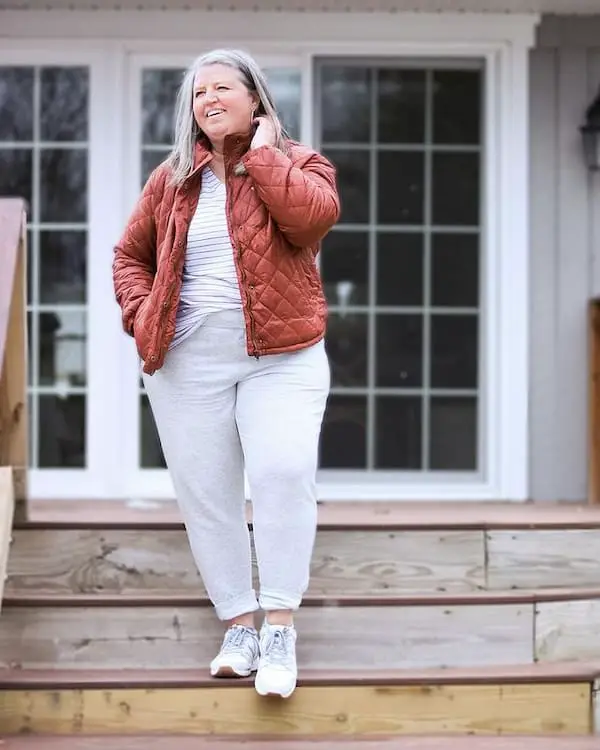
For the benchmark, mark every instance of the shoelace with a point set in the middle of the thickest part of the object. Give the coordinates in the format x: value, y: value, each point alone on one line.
x: 278, y: 647
x: 235, y: 638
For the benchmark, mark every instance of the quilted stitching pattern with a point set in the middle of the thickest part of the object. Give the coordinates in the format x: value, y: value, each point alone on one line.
x: 281, y: 206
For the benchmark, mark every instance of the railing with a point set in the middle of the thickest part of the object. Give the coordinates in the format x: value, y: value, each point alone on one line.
x: 594, y: 402
x: 13, y: 372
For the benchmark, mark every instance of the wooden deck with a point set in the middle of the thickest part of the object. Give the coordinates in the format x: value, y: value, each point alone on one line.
x: 333, y: 515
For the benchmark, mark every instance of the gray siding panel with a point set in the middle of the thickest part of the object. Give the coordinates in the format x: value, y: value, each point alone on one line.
x: 565, y: 261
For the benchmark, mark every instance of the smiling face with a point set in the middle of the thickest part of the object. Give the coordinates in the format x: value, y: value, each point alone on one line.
x: 222, y: 103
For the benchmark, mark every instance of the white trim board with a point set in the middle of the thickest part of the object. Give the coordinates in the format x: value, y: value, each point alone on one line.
x: 121, y: 39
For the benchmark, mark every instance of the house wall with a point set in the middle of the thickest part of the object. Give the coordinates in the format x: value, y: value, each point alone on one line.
x: 565, y: 254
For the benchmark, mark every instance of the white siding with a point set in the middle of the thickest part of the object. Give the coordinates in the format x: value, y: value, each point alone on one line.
x: 565, y: 255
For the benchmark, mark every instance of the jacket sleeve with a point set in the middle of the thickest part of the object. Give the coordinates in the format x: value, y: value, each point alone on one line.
x: 134, y: 260
x: 302, y: 198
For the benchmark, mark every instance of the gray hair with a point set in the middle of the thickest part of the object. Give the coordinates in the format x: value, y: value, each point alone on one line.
x: 187, y: 132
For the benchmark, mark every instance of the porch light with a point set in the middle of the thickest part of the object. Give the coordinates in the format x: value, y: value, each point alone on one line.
x: 590, y: 134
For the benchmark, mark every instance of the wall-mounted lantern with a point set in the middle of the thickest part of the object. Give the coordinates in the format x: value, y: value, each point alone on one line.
x: 590, y: 134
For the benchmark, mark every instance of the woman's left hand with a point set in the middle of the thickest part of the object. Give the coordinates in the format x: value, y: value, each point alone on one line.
x: 265, y: 133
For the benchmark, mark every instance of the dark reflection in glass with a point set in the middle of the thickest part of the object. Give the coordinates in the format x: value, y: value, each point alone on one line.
x: 347, y: 349
x: 61, y: 427
x: 63, y: 258
x: 16, y: 174
x: 453, y: 434
x: 457, y: 106
x: 151, y: 160
x: 456, y: 195
x: 286, y: 89
x: 344, y: 434
x: 401, y: 99
x: 63, y: 185
x: 345, y: 268
x: 62, y: 348
x: 455, y: 270
x: 159, y: 92
x: 31, y: 292
x: 354, y: 184
x: 401, y: 186
x: 398, y: 422
x: 64, y: 104
x: 31, y: 375
x: 454, y: 351
x: 16, y: 104
x: 345, y: 106
x: 151, y: 455
x: 399, y: 351
x: 400, y: 269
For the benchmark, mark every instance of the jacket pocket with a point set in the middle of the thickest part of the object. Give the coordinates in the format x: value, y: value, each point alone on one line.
x: 142, y: 333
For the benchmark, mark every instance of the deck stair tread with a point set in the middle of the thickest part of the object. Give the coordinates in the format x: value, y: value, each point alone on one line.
x: 563, y: 672
x: 179, y: 742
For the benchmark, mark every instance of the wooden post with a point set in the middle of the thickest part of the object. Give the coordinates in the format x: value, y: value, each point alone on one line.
x: 13, y: 345
x: 594, y: 402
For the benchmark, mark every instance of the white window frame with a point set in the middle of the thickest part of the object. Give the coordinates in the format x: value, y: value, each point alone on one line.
x: 119, y: 40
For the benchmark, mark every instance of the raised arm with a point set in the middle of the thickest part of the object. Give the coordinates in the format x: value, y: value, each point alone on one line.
x: 301, y: 195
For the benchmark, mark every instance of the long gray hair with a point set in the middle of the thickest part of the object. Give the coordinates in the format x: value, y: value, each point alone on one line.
x: 187, y: 132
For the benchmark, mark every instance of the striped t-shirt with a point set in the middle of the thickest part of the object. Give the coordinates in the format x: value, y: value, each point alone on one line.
x: 210, y: 282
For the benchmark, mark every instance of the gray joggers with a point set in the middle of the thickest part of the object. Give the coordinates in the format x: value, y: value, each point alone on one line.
x: 217, y: 411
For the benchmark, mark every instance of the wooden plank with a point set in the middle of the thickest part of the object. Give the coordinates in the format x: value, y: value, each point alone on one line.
x: 345, y: 563
x: 154, y: 637
x: 186, y: 742
x: 360, y: 710
x: 334, y: 516
x: 13, y: 346
x: 7, y: 509
x: 567, y: 631
x: 538, y: 559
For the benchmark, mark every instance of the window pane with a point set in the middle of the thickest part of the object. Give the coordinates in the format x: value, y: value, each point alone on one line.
x: 63, y: 188
x: 63, y: 257
x: 354, y: 184
x: 159, y: 92
x: 454, y: 351
x: 347, y: 349
x: 453, y: 434
x: 456, y: 196
x: 64, y: 104
x: 400, y: 269
x: 398, y: 439
x: 401, y: 110
x: 401, y: 187
x: 61, y: 432
x: 286, y: 87
x: 16, y: 174
x: 345, y: 104
x: 344, y: 435
x: 455, y: 270
x: 62, y: 348
x: 16, y: 104
x: 345, y: 268
x: 399, y: 351
x: 457, y: 106
x: 151, y: 160
x: 151, y: 455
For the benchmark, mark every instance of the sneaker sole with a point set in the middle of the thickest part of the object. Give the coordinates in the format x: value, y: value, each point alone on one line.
x: 230, y: 672
x: 270, y: 694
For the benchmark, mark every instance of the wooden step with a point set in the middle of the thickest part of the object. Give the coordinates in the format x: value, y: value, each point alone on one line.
x: 183, y: 742
x: 346, y: 561
x: 518, y: 700
x: 396, y: 632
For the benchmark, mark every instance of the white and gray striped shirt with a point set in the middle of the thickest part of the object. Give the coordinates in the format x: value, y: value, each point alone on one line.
x: 210, y: 282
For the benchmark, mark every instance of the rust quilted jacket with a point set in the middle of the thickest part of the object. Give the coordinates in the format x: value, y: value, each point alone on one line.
x: 279, y: 207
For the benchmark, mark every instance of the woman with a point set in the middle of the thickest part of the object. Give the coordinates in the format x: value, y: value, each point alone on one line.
x: 217, y: 281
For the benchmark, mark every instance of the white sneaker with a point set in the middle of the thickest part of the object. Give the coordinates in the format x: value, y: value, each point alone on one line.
x: 239, y: 653
x: 277, y: 670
